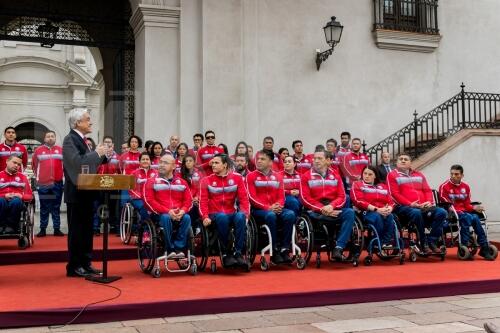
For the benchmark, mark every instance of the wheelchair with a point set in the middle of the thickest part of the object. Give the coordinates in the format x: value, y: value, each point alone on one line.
x: 25, y: 232
x: 324, y: 233
x: 302, y: 240
x: 151, y: 251
x: 129, y: 218
x: 452, y: 236
x: 213, y: 247
x: 374, y: 245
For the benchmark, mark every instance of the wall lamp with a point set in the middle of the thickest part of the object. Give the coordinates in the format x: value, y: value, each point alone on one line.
x: 333, y: 33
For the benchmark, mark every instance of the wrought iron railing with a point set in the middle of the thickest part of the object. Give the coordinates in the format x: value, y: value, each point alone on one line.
x: 464, y: 110
x: 407, y: 15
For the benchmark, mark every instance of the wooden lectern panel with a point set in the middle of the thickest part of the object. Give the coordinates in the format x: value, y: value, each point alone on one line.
x: 105, y: 182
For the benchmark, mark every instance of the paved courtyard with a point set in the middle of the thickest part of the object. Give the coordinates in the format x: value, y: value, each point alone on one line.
x: 465, y: 313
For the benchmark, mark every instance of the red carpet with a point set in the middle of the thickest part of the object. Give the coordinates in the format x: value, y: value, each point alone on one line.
x: 42, y: 295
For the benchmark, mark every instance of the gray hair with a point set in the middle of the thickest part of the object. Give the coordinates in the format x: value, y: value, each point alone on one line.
x: 76, y: 115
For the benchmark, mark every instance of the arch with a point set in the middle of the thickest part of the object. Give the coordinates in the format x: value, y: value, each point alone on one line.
x: 30, y: 134
x: 42, y: 124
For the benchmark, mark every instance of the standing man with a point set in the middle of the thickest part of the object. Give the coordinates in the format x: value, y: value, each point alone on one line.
x: 353, y: 163
x: 344, y: 147
x: 206, y: 153
x: 303, y: 162
x: 197, y: 144
x: 47, y: 164
x: 268, y: 145
x: 76, y: 153
x: 172, y: 147
x: 11, y: 147
x: 385, y: 167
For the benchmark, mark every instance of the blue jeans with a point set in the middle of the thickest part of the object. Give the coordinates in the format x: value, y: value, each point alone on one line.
x: 466, y: 221
x: 293, y: 203
x: 271, y: 219
x: 434, y: 218
x: 50, y: 203
x: 179, y: 242
x: 383, y: 225
x: 138, y: 204
x: 223, y: 221
x: 345, y: 219
x: 10, y: 212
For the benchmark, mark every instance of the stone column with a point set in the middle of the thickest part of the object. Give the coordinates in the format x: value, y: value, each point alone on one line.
x: 156, y: 30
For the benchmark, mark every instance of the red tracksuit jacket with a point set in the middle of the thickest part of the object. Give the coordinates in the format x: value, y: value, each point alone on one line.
x: 112, y: 167
x: 47, y: 164
x: 16, y: 149
x: 304, y: 164
x: 218, y: 194
x: 205, y: 155
x: 290, y: 181
x: 194, y: 183
x: 15, y: 183
x: 141, y: 177
x: 317, y: 191
x: 265, y: 190
x: 353, y: 165
x: 456, y: 194
x: 162, y: 195
x: 129, y: 162
x: 363, y: 194
x: 408, y: 188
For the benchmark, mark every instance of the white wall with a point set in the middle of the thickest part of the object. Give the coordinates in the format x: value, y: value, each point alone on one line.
x: 480, y: 158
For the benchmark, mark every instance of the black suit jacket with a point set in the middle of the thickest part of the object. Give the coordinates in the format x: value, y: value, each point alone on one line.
x: 382, y: 172
x: 75, y: 154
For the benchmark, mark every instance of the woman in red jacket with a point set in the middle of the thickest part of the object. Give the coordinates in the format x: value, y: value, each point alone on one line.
x: 141, y: 175
x: 291, y: 181
x: 192, y: 176
x: 155, y: 154
x: 374, y: 199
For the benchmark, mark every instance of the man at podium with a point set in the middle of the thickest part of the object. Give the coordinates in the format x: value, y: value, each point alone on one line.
x: 78, y: 158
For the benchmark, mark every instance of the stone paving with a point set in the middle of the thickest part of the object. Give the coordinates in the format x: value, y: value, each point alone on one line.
x: 465, y: 313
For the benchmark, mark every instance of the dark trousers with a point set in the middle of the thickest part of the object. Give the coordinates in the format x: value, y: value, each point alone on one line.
x: 50, y: 204
x: 80, y: 232
x: 286, y: 220
x: 223, y: 223
x: 10, y: 212
x: 434, y: 217
x: 468, y: 220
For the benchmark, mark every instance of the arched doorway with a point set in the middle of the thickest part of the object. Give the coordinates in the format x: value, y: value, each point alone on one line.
x: 31, y: 134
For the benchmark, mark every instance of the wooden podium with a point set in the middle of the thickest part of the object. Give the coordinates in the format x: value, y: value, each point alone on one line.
x: 106, y: 183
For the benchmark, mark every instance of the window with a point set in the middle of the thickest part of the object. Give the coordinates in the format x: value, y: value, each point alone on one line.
x: 418, y: 16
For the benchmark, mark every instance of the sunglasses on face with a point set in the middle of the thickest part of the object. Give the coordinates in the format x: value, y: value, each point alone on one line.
x: 209, y: 137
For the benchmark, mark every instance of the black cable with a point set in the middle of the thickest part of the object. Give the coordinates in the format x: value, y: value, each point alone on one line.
x: 90, y: 304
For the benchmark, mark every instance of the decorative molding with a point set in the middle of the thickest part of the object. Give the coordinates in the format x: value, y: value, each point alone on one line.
x: 449, y: 144
x: 64, y: 104
x: 154, y: 16
x: 406, y: 41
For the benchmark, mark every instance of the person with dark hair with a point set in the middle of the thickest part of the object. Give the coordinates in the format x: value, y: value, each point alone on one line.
x: 129, y: 161
x: 354, y: 162
x: 181, y: 152
x: 303, y: 161
x: 241, y: 164
x: 11, y: 147
x: 291, y: 181
x: 242, y: 149
x: 457, y: 192
x: 14, y: 190
x: 323, y: 193
x: 267, y: 197
x: 331, y: 146
x: 344, y: 147
x: 197, y: 144
x: 192, y: 176
x: 47, y: 165
x: 268, y: 145
x: 283, y: 152
x: 147, y: 146
x: 206, y: 153
x: 385, y: 166
x: 373, y: 198
x: 219, y: 193
x: 224, y: 149
x: 415, y: 202
x: 157, y: 152
x: 169, y: 198
x: 141, y: 175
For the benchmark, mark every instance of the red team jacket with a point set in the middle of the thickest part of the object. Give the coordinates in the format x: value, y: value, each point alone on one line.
x: 112, y: 167
x: 317, y: 191
x: 141, y: 177
x: 290, y: 181
x: 456, y: 194
x: 363, y: 195
x: 16, y: 149
x: 265, y: 190
x: 408, y: 188
x: 353, y: 165
x: 15, y: 183
x: 205, y: 155
x: 162, y: 195
x: 129, y: 162
x: 218, y: 194
x: 304, y: 164
x: 194, y: 183
x: 47, y: 164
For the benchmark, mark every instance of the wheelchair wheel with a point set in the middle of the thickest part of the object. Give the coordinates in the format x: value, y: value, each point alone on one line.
x: 199, y: 246
x: 493, y: 251
x: 304, y: 237
x: 355, y: 246
x: 463, y: 252
x: 30, y: 223
x: 23, y: 242
x: 147, y: 246
x: 126, y: 221
x: 251, y: 242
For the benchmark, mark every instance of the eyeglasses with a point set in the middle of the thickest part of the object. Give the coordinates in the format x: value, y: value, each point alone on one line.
x: 209, y: 137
